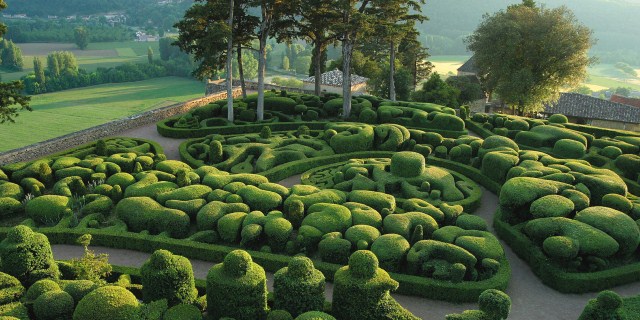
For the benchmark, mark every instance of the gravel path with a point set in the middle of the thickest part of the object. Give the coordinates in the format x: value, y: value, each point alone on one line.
x: 530, y: 298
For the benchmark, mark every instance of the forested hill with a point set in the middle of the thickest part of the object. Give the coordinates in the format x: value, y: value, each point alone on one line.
x: 44, y: 8
x: 615, y: 22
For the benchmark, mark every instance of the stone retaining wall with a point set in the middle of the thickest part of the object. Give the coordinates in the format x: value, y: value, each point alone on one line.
x: 44, y: 148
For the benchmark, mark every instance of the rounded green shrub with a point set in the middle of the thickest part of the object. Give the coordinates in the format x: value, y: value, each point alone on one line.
x: 108, y: 303
x: 9, y: 206
x: 407, y: 164
x: 560, y: 247
x: 48, y: 209
x: 279, y: 315
x: 607, y: 306
x: 278, y: 232
x: 334, y: 250
x: 610, y: 152
x: 617, y: 202
x: 328, y: 218
x: 53, y: 305
x: 569, y: 149
x: 299, y: 287
x: 614, y: 223
x: 558, y: 118
x: 237, y: 288
x: 27, y: 255
x: 40, y: 287
x: 495, y: 304
x: 552, y: 206
x: 494, y: 142
x: 168, y: 276
x: 391, y: 250
x: 259, y: 199
x: 143, y: 213
x: 362, y: 235
x: 471, y: 222
x: 353, y: 139
x: 183, y: 312
x: 123, y: 179
x: 78, y: 288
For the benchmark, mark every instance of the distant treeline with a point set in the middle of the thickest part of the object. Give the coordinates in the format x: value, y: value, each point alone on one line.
x: 23, y: 31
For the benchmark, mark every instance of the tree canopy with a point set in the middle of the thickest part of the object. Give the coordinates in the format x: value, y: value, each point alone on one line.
x: 11, y: 93
x: 527, y: 53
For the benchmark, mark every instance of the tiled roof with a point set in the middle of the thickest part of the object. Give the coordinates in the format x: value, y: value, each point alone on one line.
x: 469, y: 66
x: 583, y: 106
x: 334, y: 78
x: 624, y: 100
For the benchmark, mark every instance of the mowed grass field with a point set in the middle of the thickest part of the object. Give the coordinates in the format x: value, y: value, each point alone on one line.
x: 60, y: 113
x: 97, y: 55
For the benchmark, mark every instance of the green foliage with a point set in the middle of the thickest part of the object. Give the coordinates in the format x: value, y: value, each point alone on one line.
x: 391, y: 250
x: 361, y: 291
x: 407, y: 164
x: 27, y: 256
x: 437, y: 91
x: 616, y: 224
x: 237, y: 288
x: 40, y: 287
x: 569, y: 149
x: 558, y: 118
x: 91, y: 266
x: 608, y: 305
x: 168, y: 276
x: 552, y: 206
x: 299, y: 287
x: 108, y: 303
x: 142, y: 213
x: 315, y: 315
x: 183, y: 312
x: 81, y: 36
x: 519, y: 79
x: 53, y: 305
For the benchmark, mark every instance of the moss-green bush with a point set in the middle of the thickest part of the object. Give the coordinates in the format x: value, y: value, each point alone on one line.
x: 403, y: 224
x: 278, y: 231
x: 569, y: 149
x: 361, y: 291
x: 168, y: 276
x: 362, y: 235
x: 282, y: 104
x: 362, y: 214
x: 617, y: 202
x: 9, y: 206
x: 185, y: 193
x: 149, y: 185
x: 328, y: 218
x: 494, y: 304
x: 552, y: 206
x: 334, y: 250
x: 237, y: 288
x: 299, y: 287
x: 53, y: 305
x: 610, y: 152
x: 354, y: 138
x: 482, y: 244
x: 48, y: 209
x: 259, y: 199
x: 616, y: 224
x: 522, y: 191
x: 629, y: 164
x: 558, y: 118
x: 391, y: 250
x: 430, y: 250
x: 378, y: 201
x: 27, y: 255
x: 608, y: 305
x: 172, y: 166
x: 123, y: 179
x: 496, y: 165
x: 183, y: 312
x: 40, y: 287
x: 108, y: 303
x: 208, y: 216
x: 78, y: 288
x: 143, y: 213
x: 315, y: 315
x: 407, y: 164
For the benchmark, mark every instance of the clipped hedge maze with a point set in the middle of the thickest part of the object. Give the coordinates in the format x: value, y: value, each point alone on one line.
x: 133, y: 198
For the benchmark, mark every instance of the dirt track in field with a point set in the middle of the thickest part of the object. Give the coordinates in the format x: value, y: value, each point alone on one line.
x: 530, y: 298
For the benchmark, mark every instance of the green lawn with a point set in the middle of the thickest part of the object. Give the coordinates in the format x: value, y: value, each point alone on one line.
x: 59, y: 113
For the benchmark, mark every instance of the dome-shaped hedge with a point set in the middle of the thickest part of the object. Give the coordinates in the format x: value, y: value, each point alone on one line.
x: 108, y: 303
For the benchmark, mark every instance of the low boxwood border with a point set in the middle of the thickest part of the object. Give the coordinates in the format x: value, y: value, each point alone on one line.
x: 478, y: 129
x: 409, y: 285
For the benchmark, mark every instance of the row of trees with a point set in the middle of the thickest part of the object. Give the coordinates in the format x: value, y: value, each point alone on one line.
x: 24, y: 31
x: 213, y: 29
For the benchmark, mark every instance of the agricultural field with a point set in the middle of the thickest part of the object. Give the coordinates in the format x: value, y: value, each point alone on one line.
x: 97, y: 55
x: 393, y: 206
x: 59, y: 113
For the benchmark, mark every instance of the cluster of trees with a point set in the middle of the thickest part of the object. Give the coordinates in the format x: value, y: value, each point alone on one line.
x: 211, y: 30
x: 11, y: 56
x: 296, y: 57
x: 39, y: 30
x: 452, y: 92
x: 11, y: 98
x: 62, y: 73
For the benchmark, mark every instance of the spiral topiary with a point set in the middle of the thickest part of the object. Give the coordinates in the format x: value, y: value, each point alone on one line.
x: 168, y: 276
x: 237, y: 288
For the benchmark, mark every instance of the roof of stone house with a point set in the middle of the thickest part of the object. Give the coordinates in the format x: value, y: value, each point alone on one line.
x: 469, y: 66
x: 588, y: 107
x: 334, y: 78
x: 624, y: 100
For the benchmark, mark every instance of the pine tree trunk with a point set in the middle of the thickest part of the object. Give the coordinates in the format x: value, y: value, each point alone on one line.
x: 347, y: 51
x: 317, y: 62
x: 392, y: 73
x: 230, y: 65
x: 241, y: 72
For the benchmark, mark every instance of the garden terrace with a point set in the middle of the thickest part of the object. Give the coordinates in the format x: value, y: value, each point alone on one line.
x: 286, y: 111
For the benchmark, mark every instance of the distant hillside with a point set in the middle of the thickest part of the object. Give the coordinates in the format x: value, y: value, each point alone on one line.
x: 615, y: 24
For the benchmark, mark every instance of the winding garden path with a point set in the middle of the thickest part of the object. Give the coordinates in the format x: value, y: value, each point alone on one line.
x: 530, y: 298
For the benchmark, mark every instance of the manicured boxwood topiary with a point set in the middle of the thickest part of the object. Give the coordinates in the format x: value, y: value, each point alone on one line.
x: 353, y: 139
x: 494, y: 305
x: 616, y: 224
x: 361, y: 291
x: 168, y: 276
x: 27, y: 255
x: 48, y: 209
x: 108, y: 303
x: 40, y: 287
x: 558, y: 118
x: 183, y: 312
x: 552, y: 206
x: 315, y: 315
x: 53, y: 305
x: 78, y: 288
x: 142, y: 213
x: 407, y: 164
x: 237, y: 288
x: 608, y: 305
x: 569, y: 149
x: 299, y: 287
x: 617, y: 202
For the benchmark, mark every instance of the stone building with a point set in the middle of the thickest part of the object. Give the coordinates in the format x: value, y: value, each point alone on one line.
x: 584, y: 109
x: 332, y: 82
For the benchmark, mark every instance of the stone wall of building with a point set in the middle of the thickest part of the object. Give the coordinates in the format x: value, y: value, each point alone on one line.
x: 115, y: 127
